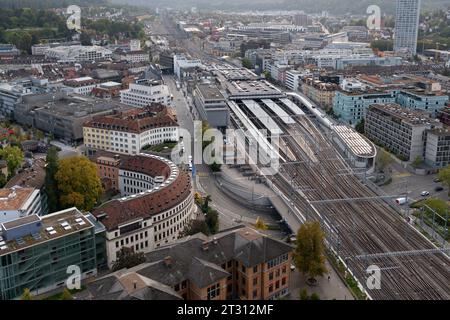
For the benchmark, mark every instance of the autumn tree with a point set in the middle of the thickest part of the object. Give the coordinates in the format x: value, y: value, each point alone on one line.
x: 66, y: 295
x: 309, y: 252
x: 260, y: 224
x: 127, y: 258
x: 78, y: 183
x: 13, y: 157
x: 26, y: 295
x: 51, y: 188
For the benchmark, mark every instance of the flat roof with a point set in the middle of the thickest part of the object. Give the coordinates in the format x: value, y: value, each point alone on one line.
x: 14, y: 198
x: 411, y: 116
x: 286, y: 118
x: 262, y: 116
x: 210, y: 92
x: 293, y: 107
x: 356, y: 142
x: 55, y: 225
x: 254, y: 88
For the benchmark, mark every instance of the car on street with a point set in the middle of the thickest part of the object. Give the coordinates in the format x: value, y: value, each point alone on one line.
x: 424, y: 193
x: 439, y: 188
x: 437, y: 180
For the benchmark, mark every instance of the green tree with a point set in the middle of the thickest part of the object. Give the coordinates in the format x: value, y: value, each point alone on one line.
x: 215, y: 167
x: 444, y: 175
x: 315, y: 296
x: 78, y: 183
x: 246, y: 63
x: 212, y: 221
x: 360, y: 126
x: 194, y: 227
x: 417, y: 161
x: 383, y: 159
x: 14, y: 158
x: 3, y: 180
x: 205, y: 204
x: 127, y: 258
x: 26, y: 295
x: 66, y: 295
x: 51, y: 187
x: 309, y: 252
x: 39, y: 135
x: 304, y: 294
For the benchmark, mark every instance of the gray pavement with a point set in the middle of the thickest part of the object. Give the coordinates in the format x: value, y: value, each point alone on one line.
x: 326, y: 289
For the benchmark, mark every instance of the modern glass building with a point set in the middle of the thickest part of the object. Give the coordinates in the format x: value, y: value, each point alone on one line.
x: 406, y: 26
x: 35, y: 252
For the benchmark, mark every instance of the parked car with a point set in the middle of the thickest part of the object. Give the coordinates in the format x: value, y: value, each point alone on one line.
x: 424, y: 193
x: 439, y: 188
x: 437, y: 180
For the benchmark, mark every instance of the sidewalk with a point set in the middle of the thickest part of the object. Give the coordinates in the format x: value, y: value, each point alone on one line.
x: 327, y: 290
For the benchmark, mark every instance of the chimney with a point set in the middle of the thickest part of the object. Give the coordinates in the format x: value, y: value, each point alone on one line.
x: 168, y: 261
x: 205, y: 246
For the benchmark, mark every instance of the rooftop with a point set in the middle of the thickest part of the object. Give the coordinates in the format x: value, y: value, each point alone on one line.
x: 358, y: 144
x: 411, y: 116
x: 210, y: 92
x: 254, y: 88
x: 32, y: 177
x: 55, y: 225
x: 14, y: 198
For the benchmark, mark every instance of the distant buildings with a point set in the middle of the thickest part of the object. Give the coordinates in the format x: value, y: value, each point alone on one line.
x: 145, y: 92
x: 8, y: 51
x: 211, y: 105
x: 301, y: 19
x: 19, y: 202
x: 82, y: 86
x: 406, y: 26
x: 61, y: 114
x: 78, y: 53
x: 181, y: 64
x: 319, y: 91
x: 238, y: 263
x: 400, y: 130
x: 128, y: 131
x: 35, y: 252
x: 157, y: 206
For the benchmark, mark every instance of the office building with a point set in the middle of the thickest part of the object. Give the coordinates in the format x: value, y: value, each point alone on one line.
x: 128, y: 131
x: 406, y: 26
x: 400, y: 130
x: 35, y: 252
x: 437, y: 149
x: 19, y: 202
x: 78, y: 53
x: 211, y: 105
x: 145, y: 92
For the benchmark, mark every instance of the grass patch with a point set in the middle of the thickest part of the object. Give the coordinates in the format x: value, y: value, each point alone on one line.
x: 166, y: 146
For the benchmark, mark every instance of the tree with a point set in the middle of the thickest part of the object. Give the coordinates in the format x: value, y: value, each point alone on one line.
x: 66, y: 295
x: 127, y: 258
x: 78, y: 183
x: 215, y: 167
x: 260, y: 224
x: 360, y: 126
x: 205, y: 205
x: 444, y: 175
x: 194, y: 227
x: 51, y: 187
x: 85, y: 39
x: 246, y: 63
x: 39, y: 135
x: 26, y: 295
x: 309, y: 252
x: 383, y: 159
x: 304, y: 294
x: 212, y: 221
x: 13, y: 157
x: 417, y: 161
x: 314, y: 296
x: 3, y: 180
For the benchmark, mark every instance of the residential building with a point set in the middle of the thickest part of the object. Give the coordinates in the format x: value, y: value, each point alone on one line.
x: 211, y: 105
x: 18, y: 202
x: 128, y: 131
x: 444, y: 115
x: 145, y: 92
x: 36, y: 252
x: 356, y: 33
x: 62, y: 114
x: 301, y: 19
x: 406, y: 26
x: 400, y: 130
x: 417, y: 98
x: 235, y: 263
x: 320, y: 92
x: 8, y: 51
x: 132, y: 56
x: 158, y: 206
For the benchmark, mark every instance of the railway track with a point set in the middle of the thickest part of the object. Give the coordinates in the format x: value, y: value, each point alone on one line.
x: 358, y: 228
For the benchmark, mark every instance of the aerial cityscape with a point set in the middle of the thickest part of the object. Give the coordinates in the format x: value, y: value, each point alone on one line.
x: 224, y: 150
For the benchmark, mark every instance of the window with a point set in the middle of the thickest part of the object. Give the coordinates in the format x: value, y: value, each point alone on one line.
x: 283, y: 281
x: 255, y: 269
x: 255, y: 281
x: 270, y: 288
x: 271, y: 276
x: 255, y: 293
x: 213, y: 291
x: 243, y: 269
